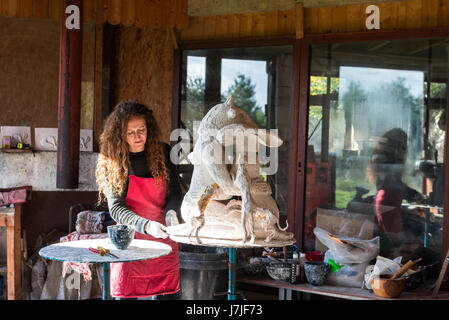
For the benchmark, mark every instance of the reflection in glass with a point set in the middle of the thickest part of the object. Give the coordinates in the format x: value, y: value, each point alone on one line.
x: 376, y: 145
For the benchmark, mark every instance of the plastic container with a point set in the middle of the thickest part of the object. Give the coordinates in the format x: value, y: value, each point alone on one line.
x: 350, y: 275
x: 203, y: 272
x: 314, y: 256
x: 302, y: 259
x: 295, y: 273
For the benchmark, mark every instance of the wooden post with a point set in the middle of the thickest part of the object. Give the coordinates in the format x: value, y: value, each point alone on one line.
x: 98, y: 106
x: 212, y: 93
x: 69, y: 105
x: 13, y: 236
x: 441, y: 276
x: 299, y: 21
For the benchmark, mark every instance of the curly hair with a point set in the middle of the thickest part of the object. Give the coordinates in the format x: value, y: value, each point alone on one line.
x: 388, y: 156
x: 113, y: 161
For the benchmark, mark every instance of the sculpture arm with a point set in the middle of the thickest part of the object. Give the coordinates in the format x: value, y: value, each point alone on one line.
x: 217, y: 168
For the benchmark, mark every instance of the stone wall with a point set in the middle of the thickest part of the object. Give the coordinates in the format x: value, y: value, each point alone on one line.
x: 29, y: 69
x: 38, y: 170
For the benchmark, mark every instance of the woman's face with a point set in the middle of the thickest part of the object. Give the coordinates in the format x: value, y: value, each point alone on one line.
x: 136, y: 134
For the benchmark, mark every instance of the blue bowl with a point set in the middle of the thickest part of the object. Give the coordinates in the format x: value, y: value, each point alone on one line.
x: 316, y: 272
x: 121, y: 235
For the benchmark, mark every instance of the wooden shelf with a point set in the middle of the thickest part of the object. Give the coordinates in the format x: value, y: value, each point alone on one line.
x: 337, y: 291
x: 16, y: 150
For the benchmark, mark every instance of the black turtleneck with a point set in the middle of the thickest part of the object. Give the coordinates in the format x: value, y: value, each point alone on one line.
x: 139, y: 164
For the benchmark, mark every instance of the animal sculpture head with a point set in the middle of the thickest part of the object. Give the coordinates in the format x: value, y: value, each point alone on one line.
x: 225, y: 118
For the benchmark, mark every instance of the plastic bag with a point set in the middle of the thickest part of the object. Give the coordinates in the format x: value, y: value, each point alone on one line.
x: 350, y: 275
x: 352, y: 250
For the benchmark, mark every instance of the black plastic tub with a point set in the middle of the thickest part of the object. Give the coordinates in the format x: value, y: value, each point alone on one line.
x: 203, y: 272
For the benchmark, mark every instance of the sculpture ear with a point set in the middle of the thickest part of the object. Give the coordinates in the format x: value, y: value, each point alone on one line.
x: 268, y: 138
x: 231, y: 113
x: 230, y: 101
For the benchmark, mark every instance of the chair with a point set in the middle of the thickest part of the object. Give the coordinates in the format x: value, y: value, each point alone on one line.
x: 77, y: 208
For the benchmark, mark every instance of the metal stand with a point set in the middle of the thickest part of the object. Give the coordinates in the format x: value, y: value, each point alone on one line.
x: 232, y: 259
x: 232, y: 268
x: 106, y: 284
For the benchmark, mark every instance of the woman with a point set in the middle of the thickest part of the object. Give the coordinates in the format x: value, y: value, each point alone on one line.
x: 141, y: 185
x: 387, y: 165
x: 386, y: 169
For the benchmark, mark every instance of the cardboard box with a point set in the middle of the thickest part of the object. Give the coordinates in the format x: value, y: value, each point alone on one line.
x: 345, y: 224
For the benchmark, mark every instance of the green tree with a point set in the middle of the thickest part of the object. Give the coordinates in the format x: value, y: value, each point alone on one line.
x: 193, y: 108
x: 244, y: 93
x: 352, y: 100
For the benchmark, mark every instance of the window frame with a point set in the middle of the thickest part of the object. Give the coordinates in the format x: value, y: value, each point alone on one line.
x: 303, y: 113
x: 239, y: 43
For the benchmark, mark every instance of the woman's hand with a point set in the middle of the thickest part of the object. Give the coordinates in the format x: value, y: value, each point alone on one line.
x: 156, y: 229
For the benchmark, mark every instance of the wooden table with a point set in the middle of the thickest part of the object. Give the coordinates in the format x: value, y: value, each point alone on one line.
x: 78, y: 251
x: 11, y: 219
x: 286, y: 288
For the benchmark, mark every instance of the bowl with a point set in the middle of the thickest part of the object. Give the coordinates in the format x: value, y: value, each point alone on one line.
x: 385, y: 287
x: 279, y: 270
x: 121, y: 235
x: 255, y: 266
x: 316, y: 272
x: 415, y: 280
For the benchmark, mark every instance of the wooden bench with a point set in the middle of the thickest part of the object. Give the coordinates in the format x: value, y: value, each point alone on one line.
x: 11, y: 219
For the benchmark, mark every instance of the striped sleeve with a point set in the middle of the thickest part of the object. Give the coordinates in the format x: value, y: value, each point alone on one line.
x: 121, y: 214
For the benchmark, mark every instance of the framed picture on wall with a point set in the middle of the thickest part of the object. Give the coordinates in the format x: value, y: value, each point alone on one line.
x: 46, y: 139
x: 18, y: 134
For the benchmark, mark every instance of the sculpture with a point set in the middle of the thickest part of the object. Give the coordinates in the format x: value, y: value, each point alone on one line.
x: 208, y: 209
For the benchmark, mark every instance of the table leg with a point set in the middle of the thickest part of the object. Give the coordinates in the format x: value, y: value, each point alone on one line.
x: 426, y: 222
x: 106, y: 283
x: 231, y: 276
x: 289, y: 294
x: 281, y: 294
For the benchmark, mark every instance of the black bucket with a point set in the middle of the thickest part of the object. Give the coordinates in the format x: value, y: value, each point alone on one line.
x: 203, y: 272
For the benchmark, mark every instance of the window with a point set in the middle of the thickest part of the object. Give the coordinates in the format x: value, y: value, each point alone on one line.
x: 259, y: 78
x: 376, y: 144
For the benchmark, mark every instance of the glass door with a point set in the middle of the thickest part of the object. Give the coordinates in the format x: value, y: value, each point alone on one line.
x: 376, y: 145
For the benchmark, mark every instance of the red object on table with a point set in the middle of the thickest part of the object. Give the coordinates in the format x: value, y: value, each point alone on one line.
x: 95, y: 250
x: 314, y: 256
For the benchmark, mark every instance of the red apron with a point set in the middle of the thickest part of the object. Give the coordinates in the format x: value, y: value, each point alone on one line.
x: 149, y: 277
x: 390, y: 221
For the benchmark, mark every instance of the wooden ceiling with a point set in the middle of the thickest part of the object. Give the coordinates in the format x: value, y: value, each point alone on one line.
x: 163, y: 14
